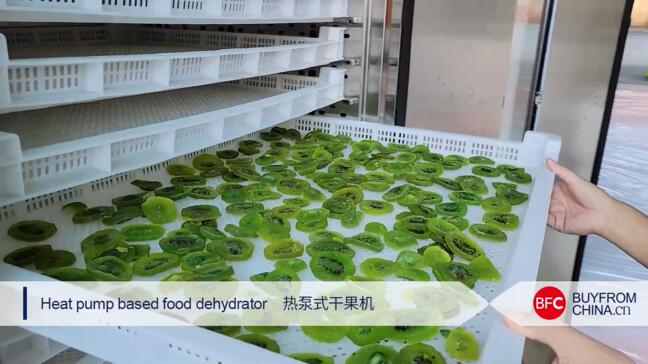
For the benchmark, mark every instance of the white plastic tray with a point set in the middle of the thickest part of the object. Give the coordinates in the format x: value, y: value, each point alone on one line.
x: 49, y: 150
x: 517, y: 259
x: 173, y: 11
x: 42, y: 67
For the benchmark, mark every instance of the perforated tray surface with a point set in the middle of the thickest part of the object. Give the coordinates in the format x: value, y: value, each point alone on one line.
x: 516, y: 259
x: 38, y: 128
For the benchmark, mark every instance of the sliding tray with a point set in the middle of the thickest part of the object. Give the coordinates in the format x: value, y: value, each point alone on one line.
x: 517, y: 259
x: 173, y: 11
x: 42, y: 67
x: 52, y: 149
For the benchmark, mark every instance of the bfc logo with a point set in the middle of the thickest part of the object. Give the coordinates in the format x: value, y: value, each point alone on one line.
x: 549, y: 303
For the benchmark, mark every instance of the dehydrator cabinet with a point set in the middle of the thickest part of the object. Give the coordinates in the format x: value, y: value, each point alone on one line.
x: 97, y: 93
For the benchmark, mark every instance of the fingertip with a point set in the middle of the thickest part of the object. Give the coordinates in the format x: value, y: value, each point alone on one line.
x: 551, y: 164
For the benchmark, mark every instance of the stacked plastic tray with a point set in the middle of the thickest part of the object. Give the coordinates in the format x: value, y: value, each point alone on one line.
x: 41, y: 67
x: 517, y: 259
x: 172, y: 11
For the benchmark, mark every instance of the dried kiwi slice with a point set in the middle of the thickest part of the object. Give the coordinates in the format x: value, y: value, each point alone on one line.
x: 232, y: 177
x: 214, y: 172
x: 338, y: 206
x: 486, y: 171
x: 182, y: 244
x: 453, y: 271
x: 451, y: 165
x: 365, y: 335
x: 312, y: 358
x: 495, y: 204
x: 396, y: 193
x: 155, y: 263
x: 366, y: 240
x: 457, y: 221
x: 311, y: 225
x: 351, y: 219
x: 397, y: 239
x: 261, y: 341
x: 461, y: 345
x: 436, y: 254
x: 411, y: 274
x: 188, y: 181
x: 291, y: 186
x: 313, y: 249
x: 100, y: 241
x: 74, y: 207
x: 287, y: 248
x: 294, y: 264
x: 313, y: 194
x: 123, y: 215
x: 331, y: 266
x: 325, y: 236
x: 325, y: 334
x: 25, y: 256
x: 352, y: 193
x: 505, y: 221
x: 200, y: 213
x: 452, y: 209
x: 146, y: 185
x: 180, y: 170
x: 473, y: 184
x: 374, y: 353
x: 135, y: 199
x: 397, y: 168
x: 173, y: 192
x: 418, y: 230
x: 375, y: 186
x: 376, y: 228
x: 448, y: 184
x: 160, y: 210
x: 518, y: 176
x: 419, y: 180
x: 410, y: 259
x: 296, y: 202
x: 142, y: 232
x: 206, y: 162
x: 484, y: 269
x: 236, y: 249
x: 277, y: 275
x: 465, y: 197
x: 487, y: 232
x: 54, y: 259
x: 201, y: 261
x: 203, y: 193
x: 463, y: 246
x: 242, y: 208
x: 478, y: 159
x: 430, y: 169
x: 110, y: 269
x: 32, y: 230
x: 227, y: 154
x: 377, y: 267
x: 422, y: 210
x: 500, y: 185
x: 512, y: 196
x: 92, y: 214
x: 419, y: 353
x: 376, y: 207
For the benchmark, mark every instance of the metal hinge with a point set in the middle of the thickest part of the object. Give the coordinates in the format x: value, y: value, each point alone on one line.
x: 538, y: 98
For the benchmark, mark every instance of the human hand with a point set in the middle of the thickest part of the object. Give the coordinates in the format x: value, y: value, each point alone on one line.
x: 577, y: 206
